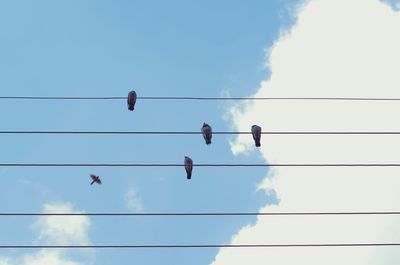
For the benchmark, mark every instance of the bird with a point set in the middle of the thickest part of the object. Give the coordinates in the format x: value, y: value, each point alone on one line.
x: 188, y: 167
x: 95, y: 179
x: 207, y: 133
x: 131, y: 100
x: 256, y: 131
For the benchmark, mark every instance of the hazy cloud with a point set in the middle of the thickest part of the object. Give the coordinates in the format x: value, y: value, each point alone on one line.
x: 132, y: 200
x: 55, y: 230
x: 4, y: 261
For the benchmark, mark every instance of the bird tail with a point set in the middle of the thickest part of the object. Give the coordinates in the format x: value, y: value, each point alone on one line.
x: 131, y: 108
x: 258, y: 144
x: 208, y: 141
x: 189, y: 175
x: 92, y: 182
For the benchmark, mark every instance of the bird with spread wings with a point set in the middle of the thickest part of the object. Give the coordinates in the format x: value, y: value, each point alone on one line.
x: 95, y: 179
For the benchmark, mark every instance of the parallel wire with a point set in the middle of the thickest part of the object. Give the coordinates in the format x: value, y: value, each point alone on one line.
x: 207, y: 214
x: 351, y: 245
x: 60, y: 98
x: 200, y: 165
x: 221, y: 132
x: 208, y: 165
x: 201, y: 98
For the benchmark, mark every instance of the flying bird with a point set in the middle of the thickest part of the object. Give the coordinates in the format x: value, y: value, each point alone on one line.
x: 256, y: 131
x: 95, y: 179
x: 188, y: 167
x: 131, y: 100
x: 207, y: 133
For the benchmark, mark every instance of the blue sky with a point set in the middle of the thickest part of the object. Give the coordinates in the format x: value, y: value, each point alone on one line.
x: 106, y: 48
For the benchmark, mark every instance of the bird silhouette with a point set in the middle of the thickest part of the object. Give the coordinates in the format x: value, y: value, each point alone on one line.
x: 95, y: 179
x: 131, y: 100
x: 256, y: 131
x: 188, y: 167
x: 207, y: 133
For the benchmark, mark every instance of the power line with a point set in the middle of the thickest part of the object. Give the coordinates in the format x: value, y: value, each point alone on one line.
x: 221, y: 132
x: 351, y: 245
x: 201, y: 98
x: 206, y: 214
x: 200, y: 165
x: 59, y: 98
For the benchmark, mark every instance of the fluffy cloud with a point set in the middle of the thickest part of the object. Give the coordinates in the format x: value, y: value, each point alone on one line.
x: 336, y: 48
x: 48, y: 257
x: 65, y: 230
x: 56, y: 230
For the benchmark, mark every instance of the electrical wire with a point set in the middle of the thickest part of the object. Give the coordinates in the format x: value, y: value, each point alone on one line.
x: 222, y: 132
x: 200, y: 98
x: 351, y: 245
x: 207, y: 214
x: 200, y: 165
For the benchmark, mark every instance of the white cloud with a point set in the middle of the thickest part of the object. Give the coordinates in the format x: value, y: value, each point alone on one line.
x: 132, y: 201
x: 48, y: 257
x: 55, y: 230
x: 64, y: 230
x: 4, y: 261
x: 337, y: 48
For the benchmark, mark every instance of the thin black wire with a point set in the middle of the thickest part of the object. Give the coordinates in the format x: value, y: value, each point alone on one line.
x: 206, y: 214
x: 202, y: 246
x: 199, y: 165
x: 202, y: 98
x: 222, y: 132
x: 60, y: 98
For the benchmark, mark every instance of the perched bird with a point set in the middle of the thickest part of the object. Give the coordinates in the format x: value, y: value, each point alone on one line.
x: 188, y: 167
x: 131, y: 100
x: 95, y: 179
x: 207, y: 133
x: 256, y: 131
